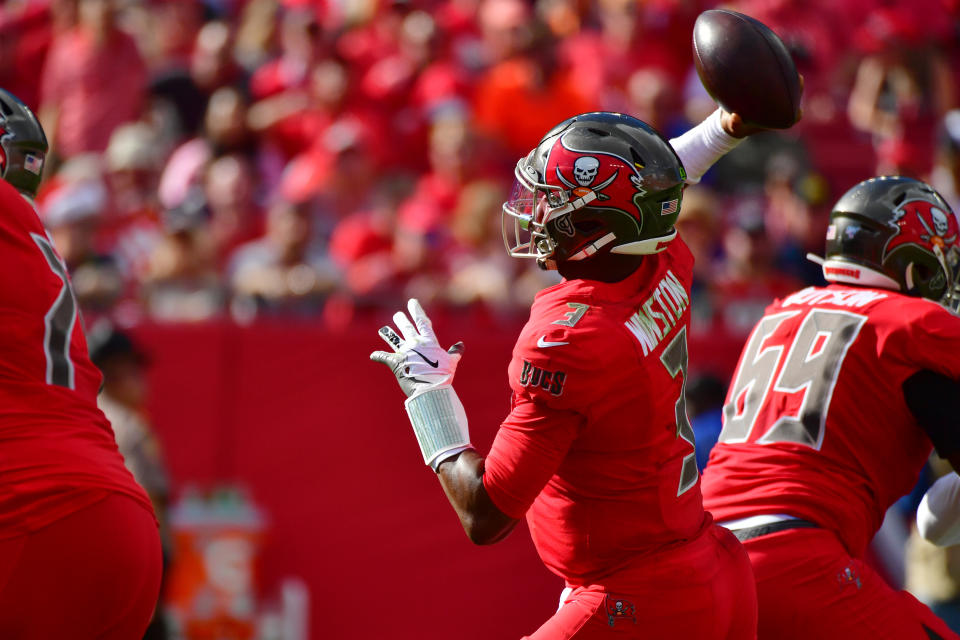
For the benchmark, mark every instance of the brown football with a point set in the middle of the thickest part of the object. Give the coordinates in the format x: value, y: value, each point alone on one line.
x: 746, y: 68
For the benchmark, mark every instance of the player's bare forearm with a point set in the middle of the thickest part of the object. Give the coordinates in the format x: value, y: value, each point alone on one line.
x: 462, y: 480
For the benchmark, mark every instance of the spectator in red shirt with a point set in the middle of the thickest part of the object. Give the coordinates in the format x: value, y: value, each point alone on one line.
x: 529, y: 90
x: 291, y: 121
x: 300, y: 44
x: 229, y: 187
x: 25, y: 35
x: 93, y: 81
x: 903, y: 87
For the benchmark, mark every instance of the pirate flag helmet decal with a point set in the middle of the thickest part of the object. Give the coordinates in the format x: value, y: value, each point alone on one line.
x: 895, y: 233
x: 597, y: 183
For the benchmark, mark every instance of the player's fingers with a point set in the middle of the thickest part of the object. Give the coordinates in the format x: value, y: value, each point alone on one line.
x: 390, y: 337
x: 736, y: 122
x: 420, y: 317
x: 382, y: 357
x: 456, y: 349
x: 406, y: 327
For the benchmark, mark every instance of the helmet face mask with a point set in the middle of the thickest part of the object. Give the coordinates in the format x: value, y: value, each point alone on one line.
x: 23, y: 145
x: 527, y: 211
x: 895, y: 233
x: 598, y: 183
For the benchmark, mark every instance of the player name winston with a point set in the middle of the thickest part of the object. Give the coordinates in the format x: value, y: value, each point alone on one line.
x: 650, y: 324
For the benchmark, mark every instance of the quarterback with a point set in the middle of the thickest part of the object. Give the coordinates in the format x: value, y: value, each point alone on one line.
x: 839, y: 397
x: 596, y: 452
x: 79, y: 546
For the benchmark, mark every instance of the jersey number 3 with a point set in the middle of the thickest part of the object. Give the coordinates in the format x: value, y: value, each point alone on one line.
x: 674, y: 358
x: 59, y: 321
x: 815, y: 349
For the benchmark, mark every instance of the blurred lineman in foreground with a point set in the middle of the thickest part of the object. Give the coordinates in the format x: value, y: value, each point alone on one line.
x: 79, y: 547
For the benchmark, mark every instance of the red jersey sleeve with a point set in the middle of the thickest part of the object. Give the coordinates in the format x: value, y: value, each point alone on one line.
x: 929, y: 339
x: 553, y: 374
x: 526, y: 453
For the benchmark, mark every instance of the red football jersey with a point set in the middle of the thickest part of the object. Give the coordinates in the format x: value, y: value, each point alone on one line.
x: 55, y: 444
x: 597, y: 450
x: 815, y: 423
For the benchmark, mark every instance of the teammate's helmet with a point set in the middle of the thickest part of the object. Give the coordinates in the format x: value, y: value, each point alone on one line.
x: 895, y: 233
x: 598, y: 183
x: 23, y: 145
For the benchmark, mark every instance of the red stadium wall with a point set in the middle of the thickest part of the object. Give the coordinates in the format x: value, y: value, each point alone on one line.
x: 318, y: 434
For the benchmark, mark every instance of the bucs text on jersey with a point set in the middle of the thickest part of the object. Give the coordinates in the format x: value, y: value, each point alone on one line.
x: 597, y: 450
x: 814, y: 417
x: 57, y: 450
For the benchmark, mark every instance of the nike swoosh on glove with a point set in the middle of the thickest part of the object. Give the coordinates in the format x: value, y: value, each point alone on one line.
x: 418, y: 361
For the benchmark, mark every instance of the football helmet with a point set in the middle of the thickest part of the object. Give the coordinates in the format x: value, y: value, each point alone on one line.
x: 596, y: 184
x: 23, y: 145
x: 895, y: 233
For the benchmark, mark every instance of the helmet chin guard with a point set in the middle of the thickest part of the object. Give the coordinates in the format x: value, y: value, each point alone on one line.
x: 530, y: 207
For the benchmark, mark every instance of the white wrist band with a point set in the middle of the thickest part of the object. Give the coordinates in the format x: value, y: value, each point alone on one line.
x: 439, y: 423
x: 700, y: 147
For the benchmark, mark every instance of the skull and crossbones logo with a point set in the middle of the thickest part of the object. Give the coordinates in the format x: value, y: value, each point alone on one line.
x: 940, y: 223
x: 585, y: 170
x: 941, y: 226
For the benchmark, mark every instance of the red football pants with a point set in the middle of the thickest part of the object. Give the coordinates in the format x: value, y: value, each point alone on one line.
x: 808, y: 586
x: 702, y: 590
x: 94, y: 574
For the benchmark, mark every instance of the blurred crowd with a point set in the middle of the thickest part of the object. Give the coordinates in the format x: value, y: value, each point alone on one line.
x: 242, y: 158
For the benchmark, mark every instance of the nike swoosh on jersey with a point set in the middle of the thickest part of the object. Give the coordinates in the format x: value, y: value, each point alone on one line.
x: 432, y: 363
x: 543, y: 344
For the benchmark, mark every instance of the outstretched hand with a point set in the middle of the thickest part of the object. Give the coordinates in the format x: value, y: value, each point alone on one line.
x: 418, y: 361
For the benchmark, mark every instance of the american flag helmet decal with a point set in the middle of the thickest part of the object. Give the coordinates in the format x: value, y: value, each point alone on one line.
x: 668, y: 207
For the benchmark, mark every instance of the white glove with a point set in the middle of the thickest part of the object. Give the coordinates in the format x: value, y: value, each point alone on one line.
x: 425, y: 372
x: 418, y: 360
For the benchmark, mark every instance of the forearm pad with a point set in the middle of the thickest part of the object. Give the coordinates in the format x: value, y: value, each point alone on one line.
x: 439, y: 423
x: 700, y: 147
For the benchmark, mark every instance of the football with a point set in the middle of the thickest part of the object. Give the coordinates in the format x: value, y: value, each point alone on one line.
x: 746, y: 68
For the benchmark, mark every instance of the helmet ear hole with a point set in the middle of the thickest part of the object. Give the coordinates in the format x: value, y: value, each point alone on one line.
x: 922, y: 272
